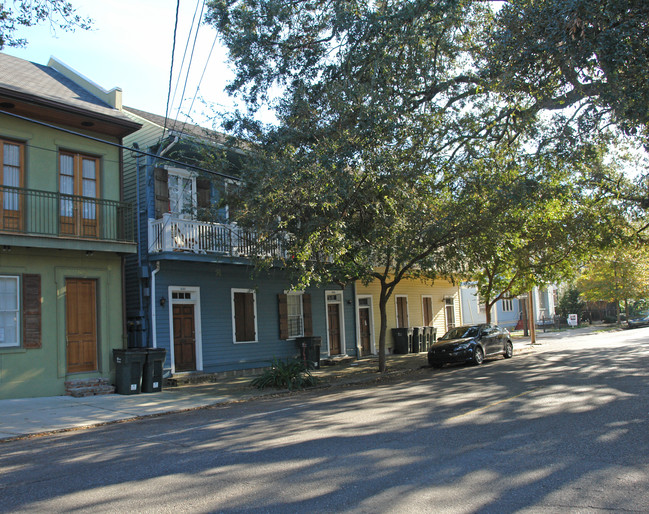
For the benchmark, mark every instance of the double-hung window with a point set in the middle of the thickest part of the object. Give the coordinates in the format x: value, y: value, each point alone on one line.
x: 295, y: 319
x: 295, y: 315
x: 508, y: 305
x: 182, y: 193
x: 9, y: 311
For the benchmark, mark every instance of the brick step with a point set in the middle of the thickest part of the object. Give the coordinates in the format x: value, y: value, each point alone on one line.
x: 88, y: 387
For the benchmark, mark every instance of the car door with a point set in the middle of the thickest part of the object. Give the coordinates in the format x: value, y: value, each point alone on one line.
x: 489, y: 339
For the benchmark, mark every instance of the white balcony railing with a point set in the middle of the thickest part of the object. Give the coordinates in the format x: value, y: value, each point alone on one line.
x: 171, y: 234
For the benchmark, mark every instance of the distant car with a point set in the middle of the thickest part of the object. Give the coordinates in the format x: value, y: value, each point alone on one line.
x: 639, y: 322
x: 471, y: 343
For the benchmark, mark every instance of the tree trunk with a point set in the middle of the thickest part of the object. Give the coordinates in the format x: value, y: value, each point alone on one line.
x: 383, y: 302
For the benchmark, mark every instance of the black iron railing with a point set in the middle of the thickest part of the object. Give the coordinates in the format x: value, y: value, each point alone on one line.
x: 46, y: 213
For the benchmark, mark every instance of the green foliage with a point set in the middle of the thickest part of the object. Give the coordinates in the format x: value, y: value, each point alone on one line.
x: 619, y: 274
x: 26, y: 13
x: 571, y: 303
x: 289, y: 373
x: 399, y: 143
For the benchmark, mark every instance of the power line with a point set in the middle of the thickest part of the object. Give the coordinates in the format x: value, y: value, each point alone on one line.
x: 171, y: 68
x: 118, y: 145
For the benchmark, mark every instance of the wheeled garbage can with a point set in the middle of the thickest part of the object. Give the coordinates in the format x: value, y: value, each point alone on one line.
x: 152, y: 375
x: 128, y: 370
x: 402, y: 340
x: 309, y: 348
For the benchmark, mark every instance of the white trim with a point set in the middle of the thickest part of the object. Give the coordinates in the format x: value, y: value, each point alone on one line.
x: 300, y: 295
x: 423, y: 310
x: 341, y: 312
x: 370, y: 307
x: 396, y: 310
x: 19, y: 313
x: 198, y: 337
x: 234, y: 326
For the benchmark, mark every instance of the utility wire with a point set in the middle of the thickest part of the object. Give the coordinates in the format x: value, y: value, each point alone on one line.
x: 171, y: 68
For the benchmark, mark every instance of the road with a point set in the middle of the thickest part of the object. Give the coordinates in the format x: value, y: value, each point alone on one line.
x: 563, y: 429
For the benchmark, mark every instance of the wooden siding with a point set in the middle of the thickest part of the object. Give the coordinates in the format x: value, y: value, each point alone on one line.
x: 414, y: 290
x: 219, y: 352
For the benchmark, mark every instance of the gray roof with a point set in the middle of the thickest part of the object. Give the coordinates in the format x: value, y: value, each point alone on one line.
x: 44, y: 82
x: 179, y: 127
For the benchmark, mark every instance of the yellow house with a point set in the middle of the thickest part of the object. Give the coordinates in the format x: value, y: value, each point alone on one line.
x: 414, y: 303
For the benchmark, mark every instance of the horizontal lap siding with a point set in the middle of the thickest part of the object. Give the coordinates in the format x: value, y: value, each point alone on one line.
x: 220, y: 353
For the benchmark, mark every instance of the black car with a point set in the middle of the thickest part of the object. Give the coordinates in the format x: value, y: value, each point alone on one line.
x: 639, y: 322
x: 470, y: 343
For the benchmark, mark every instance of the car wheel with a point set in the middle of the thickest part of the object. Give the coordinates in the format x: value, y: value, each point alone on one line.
x: 509, y: 350
x: 478, y: 356
x: 437, y: 365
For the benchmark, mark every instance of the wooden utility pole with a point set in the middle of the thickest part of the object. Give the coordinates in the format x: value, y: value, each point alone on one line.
x: 530, y: 317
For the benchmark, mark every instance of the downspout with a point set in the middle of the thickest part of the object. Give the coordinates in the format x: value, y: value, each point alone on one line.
x: 154, y: 341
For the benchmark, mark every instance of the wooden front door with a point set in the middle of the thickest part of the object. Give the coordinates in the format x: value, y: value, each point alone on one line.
x: 184, y: 337
x: 81, y: 324
x: 364, y: 322
x: 333, y: 311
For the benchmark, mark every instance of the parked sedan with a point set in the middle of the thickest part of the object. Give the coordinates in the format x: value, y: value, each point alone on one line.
x: 470, y: 343
x: 639, y: 322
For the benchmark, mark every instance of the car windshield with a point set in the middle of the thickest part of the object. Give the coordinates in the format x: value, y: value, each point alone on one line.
x: 461, y: 332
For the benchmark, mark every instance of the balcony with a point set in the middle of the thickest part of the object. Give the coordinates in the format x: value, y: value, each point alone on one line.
x: 171, y: 234
x: 54, y: 215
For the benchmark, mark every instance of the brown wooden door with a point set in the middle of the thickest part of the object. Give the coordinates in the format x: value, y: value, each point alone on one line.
x: 184, y: 338
x: 333, y: 310
x: 78, y: 178
x: 81, y: 324
x: 364, y: 322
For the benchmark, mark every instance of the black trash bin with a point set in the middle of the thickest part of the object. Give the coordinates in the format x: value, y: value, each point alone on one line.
x: 428, y: 339
x: 309, y: 348
x: 128, y: 370
x: 152, y: 375
x: 418, y: 344
x: 402, y: 340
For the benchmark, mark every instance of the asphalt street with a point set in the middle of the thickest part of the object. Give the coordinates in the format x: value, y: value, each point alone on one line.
x: 563, y: 429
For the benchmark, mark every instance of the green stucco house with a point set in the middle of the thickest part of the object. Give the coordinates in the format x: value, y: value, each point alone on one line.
x: 64, y: 230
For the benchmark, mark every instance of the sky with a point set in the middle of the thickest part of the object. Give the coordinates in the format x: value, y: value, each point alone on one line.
x: 130, y: 47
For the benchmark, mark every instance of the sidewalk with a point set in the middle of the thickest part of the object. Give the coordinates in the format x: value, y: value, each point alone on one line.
x: 32, y: 416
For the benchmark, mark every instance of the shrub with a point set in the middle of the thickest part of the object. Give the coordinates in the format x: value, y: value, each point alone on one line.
x: 291, y: 373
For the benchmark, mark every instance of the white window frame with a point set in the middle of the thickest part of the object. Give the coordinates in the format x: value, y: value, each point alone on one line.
x: 300, y: 296
x: 234, y: 322
x: 396, y: 309
x: 370, y: 307
x: 423, y: 310
x: 446, y: 306
x: 184, y: 213
x: 195, y: 300
x: 3, y: 343
x: 507, y: 305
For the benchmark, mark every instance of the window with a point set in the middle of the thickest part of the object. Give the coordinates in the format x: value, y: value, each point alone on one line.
x: 11, y: 176
x: 78, y: 176
x: 244, y: 316
x: 294, y: 315
x: 508, y: 305
x: 9, y: 311
x: 402, y: 311
x: 427, y: 308
x: 182, y: 193
x: 449, y: 307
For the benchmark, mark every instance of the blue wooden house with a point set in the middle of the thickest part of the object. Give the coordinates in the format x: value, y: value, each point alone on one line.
x: 192, y: 289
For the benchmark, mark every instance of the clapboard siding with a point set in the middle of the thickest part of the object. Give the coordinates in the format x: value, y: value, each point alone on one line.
x: 216, y: 281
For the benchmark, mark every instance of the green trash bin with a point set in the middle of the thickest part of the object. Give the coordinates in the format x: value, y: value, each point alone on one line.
x: 128, y: 370
x: 152, y: 375
x: 402, y: 340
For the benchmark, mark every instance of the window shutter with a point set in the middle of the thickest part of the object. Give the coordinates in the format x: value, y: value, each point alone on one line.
x: 282, y: 303
x: 161, y: 191
x: 203, y: 187
x: 306, y: 311
x: 32, y: 311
